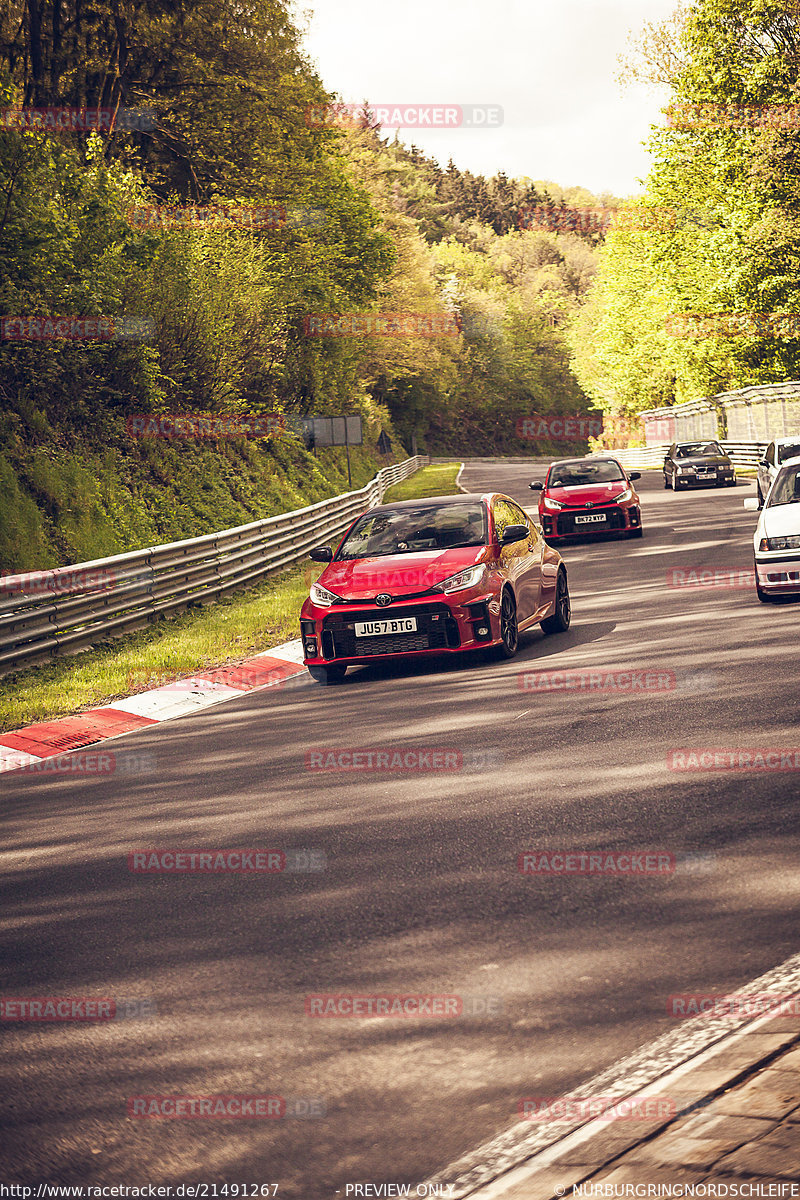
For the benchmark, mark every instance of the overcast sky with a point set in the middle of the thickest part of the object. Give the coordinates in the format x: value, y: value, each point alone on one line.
x: 550, y: 64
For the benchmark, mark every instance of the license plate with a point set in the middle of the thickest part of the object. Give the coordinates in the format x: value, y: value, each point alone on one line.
x: 591, y: 519
x: 382, y: 628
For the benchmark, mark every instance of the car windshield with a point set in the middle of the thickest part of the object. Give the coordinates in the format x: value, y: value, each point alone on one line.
x: 409, y: 530
x: 786, y: 488
x: 692, y: 449
x: 577, y: 474
x: 790, y: 450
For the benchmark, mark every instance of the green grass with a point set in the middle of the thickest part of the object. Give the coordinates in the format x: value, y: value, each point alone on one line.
x: 225, y: 633
x: 437, y: 480
x: 221, y: 634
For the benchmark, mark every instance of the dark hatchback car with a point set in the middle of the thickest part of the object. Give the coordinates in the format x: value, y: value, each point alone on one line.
x: 691, y: 463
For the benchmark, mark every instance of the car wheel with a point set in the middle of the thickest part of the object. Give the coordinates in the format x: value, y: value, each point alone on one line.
x: 666, y: 481
x: 327, y: 675
x: 559, y: 622
x: 675, y: 484
x: 509, y: 630
x: 732, y: 482
x: 635, y: 532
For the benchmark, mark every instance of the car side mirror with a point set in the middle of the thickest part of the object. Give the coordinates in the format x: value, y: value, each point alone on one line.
x: 634, y: 474
x: 514, y: 533
x: 321, y: 554
x: 762, y: 462
x: 536, y: 487
x: 751, y: 504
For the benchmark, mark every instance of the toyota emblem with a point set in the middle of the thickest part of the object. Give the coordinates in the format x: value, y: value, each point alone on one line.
x: 383, y: 599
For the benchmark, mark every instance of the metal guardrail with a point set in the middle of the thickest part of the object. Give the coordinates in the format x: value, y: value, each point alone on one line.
x: 67, y: 609
x: 762, y: 412
x: 742, y: 454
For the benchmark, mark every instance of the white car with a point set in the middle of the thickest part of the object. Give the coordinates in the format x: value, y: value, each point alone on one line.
x: 776, y: 541
x: 775, y: 455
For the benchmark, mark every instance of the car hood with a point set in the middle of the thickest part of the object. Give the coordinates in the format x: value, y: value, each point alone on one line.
x: 780, y: 521
x: 594, y: 493
x: 702, y: 460
x: 398, y: 574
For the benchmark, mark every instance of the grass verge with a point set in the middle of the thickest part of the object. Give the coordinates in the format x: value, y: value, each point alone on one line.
x: 221, y: 634
x: 224, y: 633
x: 439, y: 479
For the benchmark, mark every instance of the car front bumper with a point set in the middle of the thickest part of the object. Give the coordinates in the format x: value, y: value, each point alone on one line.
x: 710, y: 475
x: 443, y: 627
x: 778, y: 574
x: 562, y: 524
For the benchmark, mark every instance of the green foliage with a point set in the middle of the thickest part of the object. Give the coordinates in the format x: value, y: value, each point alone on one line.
x: 733, y: 243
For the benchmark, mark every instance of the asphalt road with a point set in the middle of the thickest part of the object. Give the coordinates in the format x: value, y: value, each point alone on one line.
x: 421, y: 893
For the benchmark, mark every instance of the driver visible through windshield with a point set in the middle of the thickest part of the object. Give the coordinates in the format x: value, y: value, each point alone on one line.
x: 585, y: 473
x: 410, y: 530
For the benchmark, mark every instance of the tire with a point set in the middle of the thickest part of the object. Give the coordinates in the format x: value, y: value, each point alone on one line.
x: 509, y: 630
x: 666, y: 481
x: 675, y: 485
x: 328, y: 675
x: 732, y: 482
x: 635, y: 532
x: 560, y: 620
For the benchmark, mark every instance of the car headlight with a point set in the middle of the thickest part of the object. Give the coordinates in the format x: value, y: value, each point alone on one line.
x: 626, y: 495
x: 323, y: 597
x: 463, y: 580
x: 780, y: 543
x: 553, y: 505
x: 688, y: 470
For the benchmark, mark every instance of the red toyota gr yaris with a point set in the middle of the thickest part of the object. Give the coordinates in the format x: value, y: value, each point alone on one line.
x: 583, y: 496
x: 433, y: 576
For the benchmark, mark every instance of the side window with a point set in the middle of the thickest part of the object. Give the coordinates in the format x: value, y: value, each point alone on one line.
x: 521, y: 518
x: 502, y: 516
x: 770, y: 454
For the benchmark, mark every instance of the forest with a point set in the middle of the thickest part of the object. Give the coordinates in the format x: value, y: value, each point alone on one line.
x: 202, y: 222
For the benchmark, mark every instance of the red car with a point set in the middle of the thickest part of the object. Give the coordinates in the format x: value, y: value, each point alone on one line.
x: 433, y: 576
x: 588, y: 496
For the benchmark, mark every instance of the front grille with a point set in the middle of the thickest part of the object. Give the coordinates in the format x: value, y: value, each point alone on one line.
x: 614, y: 520
x: 436, y: 630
